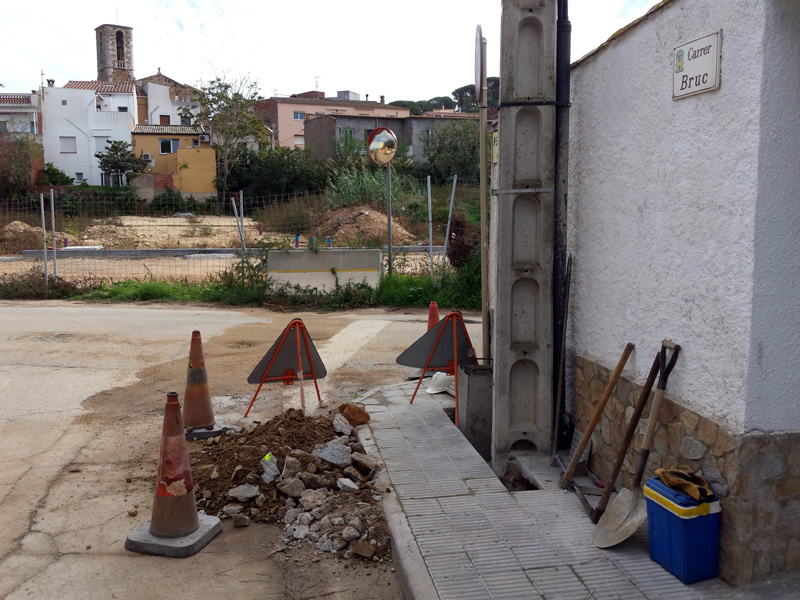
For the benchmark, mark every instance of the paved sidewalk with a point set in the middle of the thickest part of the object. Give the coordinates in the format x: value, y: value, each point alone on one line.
x: 460, y: 534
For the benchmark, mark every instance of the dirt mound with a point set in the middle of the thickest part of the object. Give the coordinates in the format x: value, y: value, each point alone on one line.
x: 360, y: 222
x: 332, y: 505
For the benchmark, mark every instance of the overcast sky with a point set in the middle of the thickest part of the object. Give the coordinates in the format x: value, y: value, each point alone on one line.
x: 406, y: 50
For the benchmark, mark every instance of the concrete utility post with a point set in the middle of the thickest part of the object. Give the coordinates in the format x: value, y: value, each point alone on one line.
x: 522, y: 323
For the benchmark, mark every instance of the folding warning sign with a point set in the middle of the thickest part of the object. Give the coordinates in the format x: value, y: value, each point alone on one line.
x: 442, y: 348
x: 291, y: 358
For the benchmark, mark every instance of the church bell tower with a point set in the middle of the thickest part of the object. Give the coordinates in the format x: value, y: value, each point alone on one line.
x: 114, y: 53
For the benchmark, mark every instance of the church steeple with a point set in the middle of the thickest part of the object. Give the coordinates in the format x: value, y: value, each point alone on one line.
x: 114, y: 53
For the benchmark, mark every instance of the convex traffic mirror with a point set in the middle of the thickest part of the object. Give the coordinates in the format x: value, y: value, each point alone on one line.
x: 382, y: 145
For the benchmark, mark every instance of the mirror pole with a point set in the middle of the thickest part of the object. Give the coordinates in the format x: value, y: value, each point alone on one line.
x: 389, y: 211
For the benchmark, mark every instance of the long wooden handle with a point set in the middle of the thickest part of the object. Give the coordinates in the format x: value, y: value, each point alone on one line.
x: 648, y: 437
x: 566, y: 477
x: 641, y: 402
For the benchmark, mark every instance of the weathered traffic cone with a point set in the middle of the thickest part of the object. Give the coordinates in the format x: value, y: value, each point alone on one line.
x: 198, y: 414
x: 433, y: 315
x: 197, y: 409
x: 175, y: 529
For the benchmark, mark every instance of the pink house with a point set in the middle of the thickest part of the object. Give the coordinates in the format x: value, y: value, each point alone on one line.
x: 287, y: 116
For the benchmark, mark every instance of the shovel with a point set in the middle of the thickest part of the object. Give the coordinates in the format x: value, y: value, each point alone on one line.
x: 631, y: 431
x: 629, y: 509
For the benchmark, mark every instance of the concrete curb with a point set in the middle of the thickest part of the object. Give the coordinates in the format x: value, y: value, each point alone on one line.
x: 412, y: 572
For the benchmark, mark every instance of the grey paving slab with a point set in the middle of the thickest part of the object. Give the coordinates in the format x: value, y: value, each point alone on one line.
x: 480, y: 541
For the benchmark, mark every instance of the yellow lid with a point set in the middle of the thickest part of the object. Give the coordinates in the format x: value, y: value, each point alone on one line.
x: 684, y: 512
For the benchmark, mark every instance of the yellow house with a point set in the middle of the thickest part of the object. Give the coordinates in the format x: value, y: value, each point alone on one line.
x: 180, y: 156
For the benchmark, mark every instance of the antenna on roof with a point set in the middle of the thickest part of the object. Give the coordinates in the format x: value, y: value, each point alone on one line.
x: 316, y: 82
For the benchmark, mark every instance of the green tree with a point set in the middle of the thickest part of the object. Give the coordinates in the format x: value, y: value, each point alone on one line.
x: 227, y: 109
x: 119, y: 159
x: 279, y: 171
x: 18, y: 150
x: 413, y: 107
x: 453, y: 149
x: 493, y: 92
x: 55, y: 176
x: 437, y: 103
x: 465, y: 97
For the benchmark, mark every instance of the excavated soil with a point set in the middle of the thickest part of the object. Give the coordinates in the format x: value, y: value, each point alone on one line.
x: 225, y: 462
x: 360, y: 222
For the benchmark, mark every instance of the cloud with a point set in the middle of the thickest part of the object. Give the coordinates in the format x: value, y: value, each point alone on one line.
x: 415, y: 51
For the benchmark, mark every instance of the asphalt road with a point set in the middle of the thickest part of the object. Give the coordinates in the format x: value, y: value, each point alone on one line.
x: 82, y: 390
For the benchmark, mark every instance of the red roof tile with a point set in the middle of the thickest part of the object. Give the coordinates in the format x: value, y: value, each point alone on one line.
x: 111, y: 87
x: 16, y: 99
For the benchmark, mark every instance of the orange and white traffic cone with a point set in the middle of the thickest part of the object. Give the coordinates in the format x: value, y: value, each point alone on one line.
x: 433, y: 315
x: 197, y: 409
x: 175, y: 529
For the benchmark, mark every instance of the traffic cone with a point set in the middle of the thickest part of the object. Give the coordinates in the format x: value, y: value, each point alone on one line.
x: 197, y: 409
x: 433, y: 315
x: 175, y: 529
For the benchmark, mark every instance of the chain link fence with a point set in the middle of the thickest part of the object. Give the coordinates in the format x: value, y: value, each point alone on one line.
x: 113, y: 235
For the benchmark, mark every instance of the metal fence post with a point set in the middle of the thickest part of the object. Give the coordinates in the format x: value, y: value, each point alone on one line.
x: 44, y: 247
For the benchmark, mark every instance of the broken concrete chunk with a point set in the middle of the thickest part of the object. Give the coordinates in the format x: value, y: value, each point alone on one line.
x: 232, y: 509
x: 244, y: 492
x: 324, y: 545
x: 292, y: 514
x: 349, y: 534
x: 364, y: 463
x: 353, y: 473
x: 336, y: 454
x: 260, y: 500
x: 314, y: 482
x: 270, y: 467
x: 311, y: 499
x: 305, y: 518
x: 241, y: 521
x: 300, y: 532
x: 291, y: 467
x: 346, y: 485
x: 292, y: 487
x: 342, y: 425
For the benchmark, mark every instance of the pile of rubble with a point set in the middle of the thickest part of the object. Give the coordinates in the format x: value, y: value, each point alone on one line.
x: 309, y: 474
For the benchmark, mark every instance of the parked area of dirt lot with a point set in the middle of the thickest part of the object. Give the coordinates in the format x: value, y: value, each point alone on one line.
x: 82, y: 394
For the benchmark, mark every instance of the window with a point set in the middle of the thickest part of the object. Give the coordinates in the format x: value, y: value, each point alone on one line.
x: 120, y: 46
x: 163, y: 119
x: 78, y: 176
x: 367, y: 133
x: 187, y: 121
x: 101, y: 143
x: 63, y: 103
x: 168, y: 146
x: 195, y: 143
x: 33, y: 126
x: 122, y: 108
x: 69, y: 144
x: 299, y: 140
x: 299, y: 116
x: 3, y: 127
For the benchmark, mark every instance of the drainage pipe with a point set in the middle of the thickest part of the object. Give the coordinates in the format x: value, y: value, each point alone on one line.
x: 563, y: 41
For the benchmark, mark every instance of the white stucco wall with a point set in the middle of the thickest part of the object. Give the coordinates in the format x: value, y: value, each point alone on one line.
x: 663, y: 204
x: 774, y: 370
x: 80, y: 118
x: 159, y: 103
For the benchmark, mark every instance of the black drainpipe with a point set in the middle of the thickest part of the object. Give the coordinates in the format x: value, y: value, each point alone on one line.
x: 563, y: 41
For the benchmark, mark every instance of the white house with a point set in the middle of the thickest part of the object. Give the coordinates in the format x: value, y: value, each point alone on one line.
x: 80, y: 118
x: 19, y: 112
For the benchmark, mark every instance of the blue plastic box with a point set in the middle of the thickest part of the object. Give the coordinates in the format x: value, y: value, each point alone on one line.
x: 684, y: 533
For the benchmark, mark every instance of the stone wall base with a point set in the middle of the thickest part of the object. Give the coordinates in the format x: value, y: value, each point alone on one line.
x: 756, y: 474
